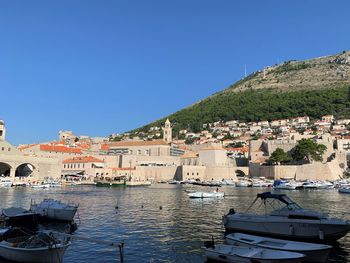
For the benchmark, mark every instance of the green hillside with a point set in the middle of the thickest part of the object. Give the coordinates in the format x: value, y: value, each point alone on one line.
x: 314, y: 87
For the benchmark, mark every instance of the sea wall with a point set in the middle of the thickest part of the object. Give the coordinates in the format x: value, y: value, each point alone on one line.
x: 315, y: 171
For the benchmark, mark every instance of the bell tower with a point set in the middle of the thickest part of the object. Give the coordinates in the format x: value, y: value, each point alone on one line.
x: 167, y: 132
x: 2, y: 131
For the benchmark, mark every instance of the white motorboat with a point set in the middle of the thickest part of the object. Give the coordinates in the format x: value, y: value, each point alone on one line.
x: 206, y: 195
x: 344, y: 190
x: 239, y: 254
x: 54, y: 209
x: 325, y: 185
x: 313, y: 252
x: 290, y: 221
x: 40, y: 248
x: 243, y: 183
x: 284, y: 185
x: 5, y: 182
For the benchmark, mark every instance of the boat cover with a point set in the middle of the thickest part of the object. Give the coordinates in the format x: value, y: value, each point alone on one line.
x: 281, y: 197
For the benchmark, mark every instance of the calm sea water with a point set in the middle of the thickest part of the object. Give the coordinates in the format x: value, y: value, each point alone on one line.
x: 160, y: 223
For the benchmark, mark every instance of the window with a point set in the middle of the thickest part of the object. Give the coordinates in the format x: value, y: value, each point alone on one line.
x: 9, y: 149
x: 3, y: 148
x: 188, y: 173
x: 92, y: 165
x: 83, y: 165
x: 139, y: 152
x: 64, y: 166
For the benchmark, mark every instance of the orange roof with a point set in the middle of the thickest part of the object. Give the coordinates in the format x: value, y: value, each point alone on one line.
x: 107, y: 146
x: 26, y: 146
x: 239, y: 149
x: 260, y: 160
x: 59, y: 148
x: 85, y: 146
x: 83, y: 159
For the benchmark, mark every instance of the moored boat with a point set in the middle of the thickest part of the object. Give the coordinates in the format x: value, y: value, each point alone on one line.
x: 238, y: 254
x: 20, y: 217
x: 206, y: 195
x: 344, y: 190
x: 313, y: 252
x: 54, y: 209
x: 5, y: 182
x: 290, y: 221
x: 111, y: 182
x: 40, y: 248
x: 137, y: 183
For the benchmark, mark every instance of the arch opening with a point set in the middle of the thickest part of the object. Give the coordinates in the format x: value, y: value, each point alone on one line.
x: 5, y: 170
x: 24, y: 170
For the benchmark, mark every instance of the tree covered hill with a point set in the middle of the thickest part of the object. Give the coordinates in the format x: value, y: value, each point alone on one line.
x: 313, y: 87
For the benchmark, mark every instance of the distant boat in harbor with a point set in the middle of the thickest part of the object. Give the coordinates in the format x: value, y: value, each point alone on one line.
x: 206, y: 195
x: 137, y: 183
x: 111, y: 182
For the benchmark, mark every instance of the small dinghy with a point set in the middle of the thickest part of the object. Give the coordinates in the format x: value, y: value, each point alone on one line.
x: 206, y: 195
x: 19, y: 217
x: 237, y: 254
x: 313, y: 252
x: 53, y: 209
x: 344, y: 190
x: 40, y: 248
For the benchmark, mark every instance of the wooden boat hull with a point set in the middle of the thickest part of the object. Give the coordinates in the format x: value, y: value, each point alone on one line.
x: 33, y: 255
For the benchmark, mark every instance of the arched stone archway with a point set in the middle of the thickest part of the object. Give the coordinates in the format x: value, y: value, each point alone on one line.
x: 240, y: 173
x: 5, y: 169
x: 24, y: 170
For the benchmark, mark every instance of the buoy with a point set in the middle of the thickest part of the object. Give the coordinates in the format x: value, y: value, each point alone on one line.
x: 291, y: 230
x: 321, y: 234
x: 116, y: 207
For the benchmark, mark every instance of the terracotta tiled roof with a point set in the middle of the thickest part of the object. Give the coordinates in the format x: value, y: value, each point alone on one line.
x: 26, y: 146
x: 84, y: 146
x: 83, y: 159
x: 58, y: 148
x: 106, y: 146
x: 260, y: 160
x: 239, y: 149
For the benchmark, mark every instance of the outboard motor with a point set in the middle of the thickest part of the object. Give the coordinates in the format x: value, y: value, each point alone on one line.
x: 231, y: 211
x: 209, y: 244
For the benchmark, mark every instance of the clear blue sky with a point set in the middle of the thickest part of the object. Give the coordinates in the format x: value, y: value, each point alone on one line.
x: 104, y: 66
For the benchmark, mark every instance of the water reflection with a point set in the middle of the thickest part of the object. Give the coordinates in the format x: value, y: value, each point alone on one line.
x: 174, y: 233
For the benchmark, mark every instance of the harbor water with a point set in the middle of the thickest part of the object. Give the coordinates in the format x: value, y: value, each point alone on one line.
x: 160, y: 223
